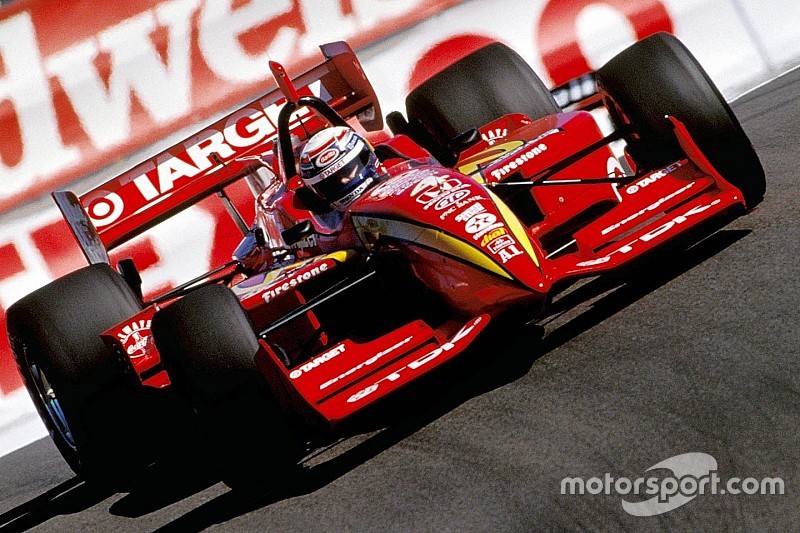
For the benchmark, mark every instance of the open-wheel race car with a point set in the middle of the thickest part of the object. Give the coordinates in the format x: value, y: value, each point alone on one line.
x: 479, y: 205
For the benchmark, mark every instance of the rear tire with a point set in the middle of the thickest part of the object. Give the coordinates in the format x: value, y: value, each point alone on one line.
x: 479, y: 88
x: 89, y: 399
x: 208, y: 347
x: 659, y: 76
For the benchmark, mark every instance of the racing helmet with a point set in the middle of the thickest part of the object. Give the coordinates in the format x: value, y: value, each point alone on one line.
x: 338, y: 165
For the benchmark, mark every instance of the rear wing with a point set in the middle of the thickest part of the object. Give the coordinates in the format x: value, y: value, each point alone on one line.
x: 208, y: 161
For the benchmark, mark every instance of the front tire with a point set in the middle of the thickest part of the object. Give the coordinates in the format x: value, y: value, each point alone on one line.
x: 88, y: 398
x: 658, y: 76
x: 477, y: 89
x: 208, y: 347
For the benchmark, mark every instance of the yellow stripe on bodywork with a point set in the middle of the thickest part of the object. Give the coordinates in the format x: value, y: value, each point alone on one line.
x: 286, y: 271
x: 340, y: 257
x: 471, y: 166
x: 515, y: 226
x: 432, y: 238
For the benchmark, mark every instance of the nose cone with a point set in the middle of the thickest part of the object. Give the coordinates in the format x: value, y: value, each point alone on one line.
x: 441, y: 209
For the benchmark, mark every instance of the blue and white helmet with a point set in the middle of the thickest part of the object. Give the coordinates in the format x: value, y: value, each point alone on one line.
x: 338, y: 165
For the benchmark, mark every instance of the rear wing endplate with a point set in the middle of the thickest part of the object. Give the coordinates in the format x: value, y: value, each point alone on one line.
x: 82, y: 228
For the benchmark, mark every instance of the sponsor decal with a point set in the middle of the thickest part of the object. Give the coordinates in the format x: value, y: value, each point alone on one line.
x: 433, y: 181
x: 333, y: 169
x: 508, y: 253
x: 419, y: 362
x: 446, y: 213
x: 493, y: 135
x: 460, y: 204
x: 492, y: 235
x: 153, y: 180
x: 450, y: 199
x: 315, y: 362
x: 481, y: 224
x: 326, y: 157
x: 469, y: 212
x: 439, y: 192
x: 106, y: 209
x: 526, y: 152
x: 652, y: 207
x: 652, y: 178
x: 372, y: 360
x: 398, y: 185
x: 520, y: 160
x: 649, y: 236
x: 353, y: 195
x: 498, y: 240
x: 135, y: 338
x: 492, y: 232
x: 294, y: 281
x: 309, y: 241
x: 434, y: 187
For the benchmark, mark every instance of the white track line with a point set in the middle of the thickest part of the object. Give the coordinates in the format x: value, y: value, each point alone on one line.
x: 767, y: 82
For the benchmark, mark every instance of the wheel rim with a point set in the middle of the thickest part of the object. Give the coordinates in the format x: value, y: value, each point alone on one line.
x: 52, y: 406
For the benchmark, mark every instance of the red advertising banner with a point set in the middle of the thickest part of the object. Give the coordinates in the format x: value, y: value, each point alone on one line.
x: 83, y: 83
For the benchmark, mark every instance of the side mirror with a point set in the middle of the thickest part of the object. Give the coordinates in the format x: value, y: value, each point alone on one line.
x: 254, y: 240
x: 127, y: 269
x: 297, y: 232
x: 258, y: 234
x: 397, y: 123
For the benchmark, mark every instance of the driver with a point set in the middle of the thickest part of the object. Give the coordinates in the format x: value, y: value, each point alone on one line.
x: 338, y: 165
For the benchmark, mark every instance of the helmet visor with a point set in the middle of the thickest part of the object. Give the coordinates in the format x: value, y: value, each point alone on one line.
x: 341, y: 182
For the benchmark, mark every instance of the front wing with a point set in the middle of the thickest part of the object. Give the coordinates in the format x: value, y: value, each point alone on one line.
x: 349, y: 376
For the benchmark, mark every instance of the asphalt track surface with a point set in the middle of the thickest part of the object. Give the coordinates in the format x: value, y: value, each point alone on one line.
x: 699, y: 352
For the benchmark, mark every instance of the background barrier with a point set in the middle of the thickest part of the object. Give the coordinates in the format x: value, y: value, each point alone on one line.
x: 86, y: 90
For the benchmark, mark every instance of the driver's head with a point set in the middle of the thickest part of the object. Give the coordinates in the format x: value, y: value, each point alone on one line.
x: 338, y: 165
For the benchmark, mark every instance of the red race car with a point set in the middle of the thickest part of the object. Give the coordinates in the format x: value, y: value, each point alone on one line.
x: 374, y: 257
